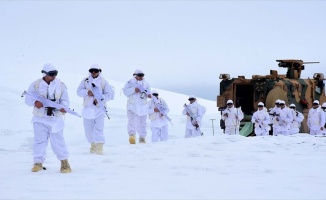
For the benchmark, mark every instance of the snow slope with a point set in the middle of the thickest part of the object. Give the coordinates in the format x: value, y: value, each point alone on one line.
x: 207, y: 167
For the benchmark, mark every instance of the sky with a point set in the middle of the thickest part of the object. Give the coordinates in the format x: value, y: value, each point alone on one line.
x: 181, y: 46
x: 212, y: 166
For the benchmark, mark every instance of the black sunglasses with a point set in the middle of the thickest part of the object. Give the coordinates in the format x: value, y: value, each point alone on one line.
x: 191, y: 99
x: 94, y: 70
x: 260, y: 106
x: 282, y: 104
x: 292, y: 107
x: 229, y: 104
x: 315, y: 104
x: 51, y: 73
x: 155, y: 94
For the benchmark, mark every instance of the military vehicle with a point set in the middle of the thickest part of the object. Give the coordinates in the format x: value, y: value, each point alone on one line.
x: 289, y: 87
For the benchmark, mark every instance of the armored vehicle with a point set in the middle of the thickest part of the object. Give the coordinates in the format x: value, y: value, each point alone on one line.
x: 289, y: 87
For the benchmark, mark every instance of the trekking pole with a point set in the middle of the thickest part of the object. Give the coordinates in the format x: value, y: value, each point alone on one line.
x: 213, y: 125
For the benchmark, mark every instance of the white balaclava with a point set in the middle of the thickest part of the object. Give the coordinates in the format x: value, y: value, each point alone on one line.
x: 261, y: 104
x: 137, y: 71
x: 154, y: 91
x: 192, y: 96
x: 95, y: 66
x: 316, y: 101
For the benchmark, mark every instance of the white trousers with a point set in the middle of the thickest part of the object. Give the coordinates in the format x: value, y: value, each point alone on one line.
x: 315, y: 132
x: 275, y: 130
x: 192, y: 132
x: 136, y: 124
x: 94, y: 130
x: 159, y: 133
x: 42, y: 134
x: 261, y: 132
x: 294, y: 130
x: 232, y: 130
x: 283, y: 132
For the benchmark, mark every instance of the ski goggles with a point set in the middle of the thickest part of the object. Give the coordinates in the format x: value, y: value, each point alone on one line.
x: 155, y: 94
x: 94, y: 70
x: 140, y: 74
x: 191, y: 99
x: 51, y: 73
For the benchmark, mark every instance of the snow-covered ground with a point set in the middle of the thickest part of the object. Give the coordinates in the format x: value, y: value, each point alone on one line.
x: 207, y: 167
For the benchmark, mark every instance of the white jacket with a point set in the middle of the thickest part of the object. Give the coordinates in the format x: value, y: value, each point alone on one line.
x: 285, y: 118
x: 324, y: 131
x: 198, y: 112
x: 232, y: 113
x: 137, y: 103
x: 157, y: 119
x: 57, y: 91
x: 91, y: 111
x: 272, y: 113
x: 316, y: 118
x: 262, y: 116
x: 297, y: 119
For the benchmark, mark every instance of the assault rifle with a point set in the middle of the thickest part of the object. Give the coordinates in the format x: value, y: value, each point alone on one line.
x: 48, y: 102
x: 296, y: 113
x: 260, y: 123
x: 192, y: 118
x: 274, y: 114
x: 97, y: 92
x: 142, y: 90
x: 281, y: 120
x: 160, y: 107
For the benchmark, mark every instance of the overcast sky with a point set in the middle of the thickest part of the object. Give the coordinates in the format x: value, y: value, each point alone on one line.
x: 182, y: 46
